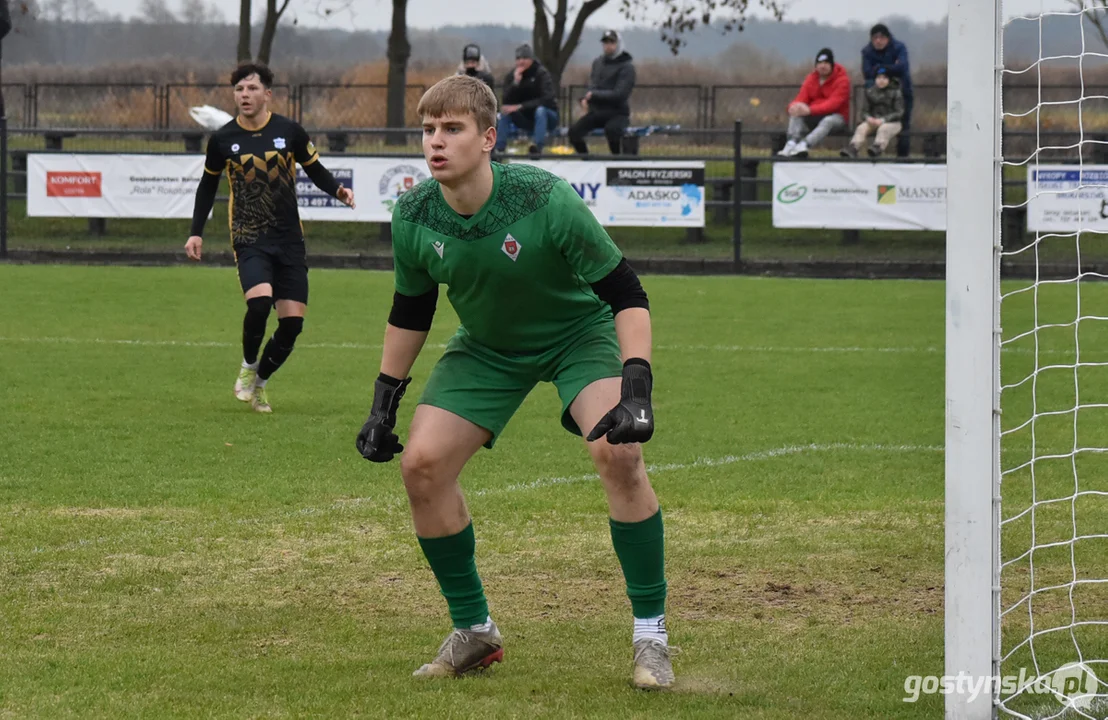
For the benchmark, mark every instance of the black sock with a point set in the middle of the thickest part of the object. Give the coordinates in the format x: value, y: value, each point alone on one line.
x: 253, y: 327
x: 279, y: 347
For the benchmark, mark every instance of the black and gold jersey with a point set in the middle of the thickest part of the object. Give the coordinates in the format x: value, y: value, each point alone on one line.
x: 261, y: 171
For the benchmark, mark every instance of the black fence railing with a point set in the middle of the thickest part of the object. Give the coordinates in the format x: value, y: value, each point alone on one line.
x: 689, y: 106
x: 738, y: 186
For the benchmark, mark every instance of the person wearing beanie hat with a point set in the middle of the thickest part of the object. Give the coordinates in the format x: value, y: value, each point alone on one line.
x: 474, y: 64
x: 882, y: 113
x: 884, y: 50
x: 821, y: 107
x: 529, y: 103
x: 606, y: 102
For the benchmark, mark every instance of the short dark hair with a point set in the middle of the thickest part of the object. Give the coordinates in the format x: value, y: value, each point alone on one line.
x: 247, y: 69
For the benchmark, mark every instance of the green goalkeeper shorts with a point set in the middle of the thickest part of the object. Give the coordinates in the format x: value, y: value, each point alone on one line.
x: 486, y: 387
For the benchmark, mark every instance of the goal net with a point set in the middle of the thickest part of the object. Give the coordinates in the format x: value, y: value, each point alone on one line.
x: 1053, y: 523
x: 1042, y: 364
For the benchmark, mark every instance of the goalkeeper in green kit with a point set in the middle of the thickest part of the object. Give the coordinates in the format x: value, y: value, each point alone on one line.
x: 543, y: 294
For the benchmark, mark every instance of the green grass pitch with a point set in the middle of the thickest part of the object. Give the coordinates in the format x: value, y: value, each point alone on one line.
x: 165, y: 552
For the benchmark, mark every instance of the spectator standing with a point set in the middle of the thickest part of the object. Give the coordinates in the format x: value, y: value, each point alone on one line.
x: 881, y: 115
x: 886, y: 51
x: 821, y: 107
x: 606, y: 103
x: 475, y: 65
x: 529, y: 103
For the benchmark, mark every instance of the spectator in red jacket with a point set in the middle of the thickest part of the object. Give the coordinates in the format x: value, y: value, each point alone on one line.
x: 821, y: 106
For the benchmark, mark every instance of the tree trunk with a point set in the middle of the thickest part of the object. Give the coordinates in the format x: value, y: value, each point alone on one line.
x: 244, y: 31
x: 554, y: 46
x: 269, y: 29
x: 399, y: 50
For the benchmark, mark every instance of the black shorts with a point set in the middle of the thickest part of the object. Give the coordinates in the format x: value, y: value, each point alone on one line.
x: 285, y: 267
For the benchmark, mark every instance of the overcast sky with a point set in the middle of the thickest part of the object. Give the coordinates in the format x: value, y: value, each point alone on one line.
x: 376, y: 14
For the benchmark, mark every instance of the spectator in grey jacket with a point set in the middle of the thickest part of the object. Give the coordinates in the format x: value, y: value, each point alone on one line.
x: 610, y: 84
x: 883, y: 112
x: 529, y: 102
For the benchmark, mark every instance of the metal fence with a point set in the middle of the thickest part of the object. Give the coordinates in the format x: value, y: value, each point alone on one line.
x: 739, y: 173
x: 690, y: 106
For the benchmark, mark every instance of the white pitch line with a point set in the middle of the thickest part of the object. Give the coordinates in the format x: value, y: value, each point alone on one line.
x: 923, y: 350
x: 359, y: 346
x: 717, y: 462
x: 399, y: 500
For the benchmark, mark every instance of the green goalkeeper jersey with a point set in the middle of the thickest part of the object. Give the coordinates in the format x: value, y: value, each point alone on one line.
x: 518, y: 271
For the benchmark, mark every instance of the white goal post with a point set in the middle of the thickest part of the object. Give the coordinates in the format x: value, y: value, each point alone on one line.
x: 972, y: 558
x: 1026, y: 494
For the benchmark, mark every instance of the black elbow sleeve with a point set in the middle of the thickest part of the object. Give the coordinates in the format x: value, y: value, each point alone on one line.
x: 414, y: 312
x: 205, y: 199
x: 621, y: 289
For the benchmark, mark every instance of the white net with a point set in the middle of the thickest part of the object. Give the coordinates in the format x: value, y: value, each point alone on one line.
x: 1053, y: 505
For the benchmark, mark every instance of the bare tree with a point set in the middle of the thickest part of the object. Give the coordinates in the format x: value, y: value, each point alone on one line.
x: 274, y: 9
x: 399, y: 50
x: 555, y: 37
x: 156, y: 12
x: 22, y: 14
x: 274, y: 12
x: 77, y: 11
x: 243, y: 52
x: 1096, y: 12
x: 198, y: 12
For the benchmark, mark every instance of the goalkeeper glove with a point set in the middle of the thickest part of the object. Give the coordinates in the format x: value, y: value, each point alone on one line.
x: 632, y: 421
x: 377, y: 442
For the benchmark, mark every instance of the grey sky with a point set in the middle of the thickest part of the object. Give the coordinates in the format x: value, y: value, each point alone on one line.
x: 375, y: 14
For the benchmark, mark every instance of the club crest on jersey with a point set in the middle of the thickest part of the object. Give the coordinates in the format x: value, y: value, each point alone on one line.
x: 438, y: 247
x: 235, y: 147
x: 279, y: 143
x: 511, y: 247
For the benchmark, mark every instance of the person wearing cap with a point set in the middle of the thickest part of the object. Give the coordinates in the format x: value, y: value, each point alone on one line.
x: 475, y: 65
x: 529, y: 102
x: 606, y: 102
x: 883, y: 111
x: 883, y: 50
x: 821, y: 107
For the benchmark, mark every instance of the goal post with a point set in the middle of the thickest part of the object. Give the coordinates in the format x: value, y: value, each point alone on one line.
x: 972, y: 467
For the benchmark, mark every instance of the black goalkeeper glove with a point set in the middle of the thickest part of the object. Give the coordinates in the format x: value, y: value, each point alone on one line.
x: 632, y: 421
x: 377, y: 442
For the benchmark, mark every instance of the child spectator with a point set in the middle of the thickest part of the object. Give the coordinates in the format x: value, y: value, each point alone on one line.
x: 882, y: 114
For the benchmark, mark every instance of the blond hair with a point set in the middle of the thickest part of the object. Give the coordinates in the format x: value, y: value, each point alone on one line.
x: 460, y: 95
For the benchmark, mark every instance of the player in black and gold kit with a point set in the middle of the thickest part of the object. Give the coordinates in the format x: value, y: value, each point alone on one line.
x: 259, y: 152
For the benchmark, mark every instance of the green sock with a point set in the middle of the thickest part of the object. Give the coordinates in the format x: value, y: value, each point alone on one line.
x: 452, y: 561
x: 640, y: 547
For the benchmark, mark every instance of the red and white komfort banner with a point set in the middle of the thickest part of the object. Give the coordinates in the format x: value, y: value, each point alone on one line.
x: 112, y: 186
x: 73, y: 184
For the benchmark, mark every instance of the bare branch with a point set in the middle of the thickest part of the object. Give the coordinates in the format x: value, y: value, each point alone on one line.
x: 679, y: 17
x: 1096, y: 12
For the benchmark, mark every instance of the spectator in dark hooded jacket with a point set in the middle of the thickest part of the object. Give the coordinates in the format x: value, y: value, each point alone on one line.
x: 529, y: 102
x: 610, y: 84
x: 886, y: 51
x: 475, y: 65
